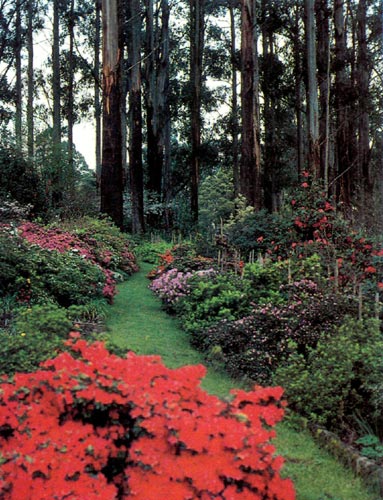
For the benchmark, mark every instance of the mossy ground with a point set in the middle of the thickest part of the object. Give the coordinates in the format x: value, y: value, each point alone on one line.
x: 136, y: 322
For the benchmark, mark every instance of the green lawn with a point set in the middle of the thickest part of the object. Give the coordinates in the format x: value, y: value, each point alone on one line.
x: 136, y: 322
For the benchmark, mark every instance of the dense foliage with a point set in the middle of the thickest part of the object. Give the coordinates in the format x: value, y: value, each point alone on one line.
x: 90, y: 421
x: 339, y: 380
x: 51, y: 278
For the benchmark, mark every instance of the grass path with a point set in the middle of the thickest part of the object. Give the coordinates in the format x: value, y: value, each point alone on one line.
x: 136, y: 322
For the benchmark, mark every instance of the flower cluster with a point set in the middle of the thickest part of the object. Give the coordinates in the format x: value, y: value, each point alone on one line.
x: 56, y: 239
x: 171, y: 285
x: 90, y: 421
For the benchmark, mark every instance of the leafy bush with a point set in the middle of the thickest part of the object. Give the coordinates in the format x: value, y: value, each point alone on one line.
x: 253, y: 346
x: 33, y: 335
x: 110, y: 248
x: 171, y: 285
x: 212, y: 297
x: 97, y: 243
x: 64, y: 277
x: 133, y: 428
x: 151, y: 251
x: 337, y: 380
x: 48, y: 319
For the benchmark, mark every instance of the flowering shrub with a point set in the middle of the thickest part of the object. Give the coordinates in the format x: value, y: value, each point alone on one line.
x: 90, y: 421
x: 91, y: 247
x: 182, y: 257
x: 171, y: 285
x: 256, y: 344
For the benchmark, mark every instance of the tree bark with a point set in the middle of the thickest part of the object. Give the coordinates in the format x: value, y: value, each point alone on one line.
x: 298, y: 76
x: 344, y: 162
x: 97, y: 101
x: 19, y: 97
x: 71, y: 93
x: 135, y: 117
x: 234, y: 99
x: 197, y: 31
x: 312, y: 90
x: 57, y: 180
x: 31, y: 85
x: 250, y: 169
x: 323, y: 56
x: 363, y: 84
x: 111, y: 171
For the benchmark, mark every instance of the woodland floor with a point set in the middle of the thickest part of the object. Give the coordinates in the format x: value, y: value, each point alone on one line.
x: 137, y: 322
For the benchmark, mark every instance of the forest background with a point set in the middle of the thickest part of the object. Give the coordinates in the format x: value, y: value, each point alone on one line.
x: 199, y: 103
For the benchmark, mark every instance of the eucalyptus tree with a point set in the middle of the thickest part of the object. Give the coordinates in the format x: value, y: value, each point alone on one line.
x: 197, y: 40
x: 136, y: 177
x: 112, y: 169
x: 250, y: 169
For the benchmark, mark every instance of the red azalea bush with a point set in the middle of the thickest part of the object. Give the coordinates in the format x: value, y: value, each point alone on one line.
x: 91, y: 422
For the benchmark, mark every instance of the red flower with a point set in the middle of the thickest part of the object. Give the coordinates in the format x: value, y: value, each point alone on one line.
x: 370, y: 269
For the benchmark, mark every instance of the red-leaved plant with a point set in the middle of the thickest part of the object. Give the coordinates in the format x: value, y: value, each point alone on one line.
x: 93, y: 425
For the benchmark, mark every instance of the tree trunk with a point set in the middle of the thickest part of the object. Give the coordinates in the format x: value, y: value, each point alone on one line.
x: 19, y: 97
x: 57, y: 180
x: 135, y: 117
x: 31, y: 85
x: 298, y: 74
x: 312, y: 90
x: 250, y: 169
x: 197, y: 31
x: 70, y: 94
x: 363, y: 81
x: 164, y: 78
x: 111, y: 171
x: 97, y: 102
x: 344, y: 162
x: 269, y: 108
x: 323, y: 56
x: 234, y: 100
x: 155, y: 153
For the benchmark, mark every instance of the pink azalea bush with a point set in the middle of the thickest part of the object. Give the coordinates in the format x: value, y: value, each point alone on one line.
x: 54, y: 238
x: 171, y: 285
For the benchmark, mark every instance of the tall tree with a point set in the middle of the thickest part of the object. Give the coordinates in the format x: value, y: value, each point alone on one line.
x: 18, y: 93
x: 57, y: 170
x: 250, y: 169
x: 97, y: 101
x: 363, y: 84
x: 312, y: 89
x: 342, y: 107
x: 135, y: 115
x: 197, y: 37
x: 298, y: 78
x: 31, y: 85
x: 71, y: 70
x: 322, y: 13
x: 234, y: 96
x: 112, y: 169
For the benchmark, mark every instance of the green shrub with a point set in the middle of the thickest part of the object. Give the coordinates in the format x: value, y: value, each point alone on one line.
x: 65, y: 278
x: 254, y: 346
x: 49, y: 319
x: 94, y: 310
x: 12, y: 254
x: 212, y: 297
x: 35, y: 334
x: 151, y: 251
x: 337, y: 379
